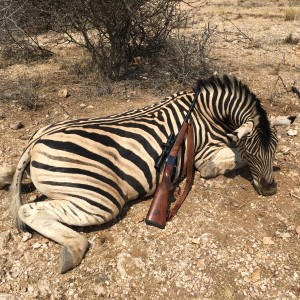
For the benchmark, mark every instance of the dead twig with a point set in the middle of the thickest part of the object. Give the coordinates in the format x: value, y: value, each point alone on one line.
x: 245, y: 36
x: 280, y: 78
x: 293, y: 195
x: 62, y: 107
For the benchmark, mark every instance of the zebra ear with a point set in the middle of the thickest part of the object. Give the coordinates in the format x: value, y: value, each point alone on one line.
x: 281, y: 120
x: 241, y: 132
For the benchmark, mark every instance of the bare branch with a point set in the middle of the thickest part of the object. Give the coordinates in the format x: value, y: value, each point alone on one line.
x: 243, y: 34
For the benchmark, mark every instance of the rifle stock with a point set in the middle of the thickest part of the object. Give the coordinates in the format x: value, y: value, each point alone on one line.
x: 157, y: 214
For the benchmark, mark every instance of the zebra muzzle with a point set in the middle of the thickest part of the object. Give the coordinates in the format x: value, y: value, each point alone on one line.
x: 265, y: 188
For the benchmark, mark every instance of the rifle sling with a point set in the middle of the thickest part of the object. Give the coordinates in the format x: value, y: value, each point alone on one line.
x: 188, y: 168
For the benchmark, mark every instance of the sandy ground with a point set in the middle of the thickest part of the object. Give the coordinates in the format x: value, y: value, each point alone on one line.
x: 226, y: 242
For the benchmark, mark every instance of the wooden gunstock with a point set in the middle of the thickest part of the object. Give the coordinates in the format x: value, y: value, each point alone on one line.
x: 157, y: 214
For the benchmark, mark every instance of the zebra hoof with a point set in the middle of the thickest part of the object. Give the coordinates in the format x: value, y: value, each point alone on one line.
x: 65, y: 261
x: 208, y: 170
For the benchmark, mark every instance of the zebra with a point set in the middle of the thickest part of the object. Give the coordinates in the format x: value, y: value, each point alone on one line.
x: 90, y: 168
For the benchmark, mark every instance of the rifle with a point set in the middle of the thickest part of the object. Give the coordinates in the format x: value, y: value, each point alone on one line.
x: 158, y: 212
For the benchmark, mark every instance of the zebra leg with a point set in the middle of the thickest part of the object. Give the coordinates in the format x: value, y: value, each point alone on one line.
x: 47, y: 217
x: 221, y: 161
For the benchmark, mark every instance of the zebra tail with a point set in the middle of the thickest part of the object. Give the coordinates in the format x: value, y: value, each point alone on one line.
x: 15, y: 189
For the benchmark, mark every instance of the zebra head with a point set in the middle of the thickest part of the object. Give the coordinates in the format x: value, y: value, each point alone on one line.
x: 257, y: 142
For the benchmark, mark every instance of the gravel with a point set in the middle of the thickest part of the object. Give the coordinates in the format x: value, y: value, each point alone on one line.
x: 226, y: 242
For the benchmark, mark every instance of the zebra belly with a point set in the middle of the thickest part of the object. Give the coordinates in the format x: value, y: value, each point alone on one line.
x: 67, y: 170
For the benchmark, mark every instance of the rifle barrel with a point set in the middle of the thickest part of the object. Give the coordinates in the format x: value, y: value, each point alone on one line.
x: 186, y: 118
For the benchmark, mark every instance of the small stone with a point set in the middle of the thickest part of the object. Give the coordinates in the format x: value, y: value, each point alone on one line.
x: 255, y: 276
x: 99, y: 290
x: 36, y: 245
x: 295, y: 193
x: 139, y: 217
x: 26, y: 236
x: 44, y: 287
x: 283, y: 235
x: 201, y: 263
x: 90, y: 106
x: 16, y: 126
x: 4, y: 296
x: 15, y: 272
x: 129, y: 266
x: 24, y: 137
x: 228, y: 293
x: 284, y: 149
x: 254, y: 294
x: 298, y: 230
x: 63, y: 93
x: 292, y: 132
x: 196, y: 241
x: 268, y: 241
x: 4, y: 238
x: 244, y: 273
x: 82, y: 105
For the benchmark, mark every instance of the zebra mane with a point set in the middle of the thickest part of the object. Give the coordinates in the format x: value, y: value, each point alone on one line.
x: 225, y: 82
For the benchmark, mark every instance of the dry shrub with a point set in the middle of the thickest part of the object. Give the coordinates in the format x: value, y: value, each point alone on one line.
x: 28, y: 95
x: 20, y: 23
x: 186, y: 58
x: 115, y: 32
x: 24, y: 91
x: 291, y: 40
x: 82, y: 66
x: 20, y: 53
x: 291, y: 14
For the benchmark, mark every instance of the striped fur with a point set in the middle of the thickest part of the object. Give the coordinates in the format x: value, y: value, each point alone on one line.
x: 89, y: 168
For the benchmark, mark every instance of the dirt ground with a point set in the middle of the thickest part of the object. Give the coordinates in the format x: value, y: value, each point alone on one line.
x: 226, y: 242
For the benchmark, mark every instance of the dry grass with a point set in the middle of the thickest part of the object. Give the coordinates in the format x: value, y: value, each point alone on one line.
x: 14, y: 54
x: 291, y: 40
x: 291, y: 14
x: 23, y: 91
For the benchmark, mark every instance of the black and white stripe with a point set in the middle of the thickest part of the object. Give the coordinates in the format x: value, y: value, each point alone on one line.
x: 89, y: 168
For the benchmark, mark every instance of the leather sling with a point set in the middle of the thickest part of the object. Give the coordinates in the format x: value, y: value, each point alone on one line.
x: 188, y: 168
